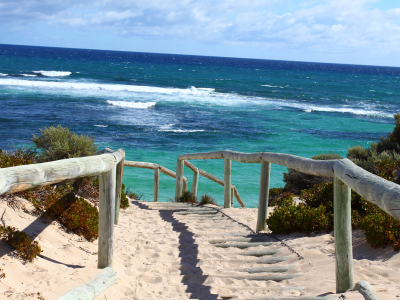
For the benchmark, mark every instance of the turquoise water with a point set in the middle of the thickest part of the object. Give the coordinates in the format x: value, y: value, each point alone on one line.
x: 158, y: 106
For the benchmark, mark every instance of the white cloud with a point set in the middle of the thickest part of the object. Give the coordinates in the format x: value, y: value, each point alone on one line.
x: 331, y: 26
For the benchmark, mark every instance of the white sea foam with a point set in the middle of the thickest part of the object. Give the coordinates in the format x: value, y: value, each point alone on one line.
x: 267, y: 85
x: 143, y: 97
x: 139, y: 105
x: 107, y: 87
x: 53, y: 73
x: 1, y: 74
x: 29, y: 75
x: 101, y: 125
x: 182, y: 130
x: 355, y: 111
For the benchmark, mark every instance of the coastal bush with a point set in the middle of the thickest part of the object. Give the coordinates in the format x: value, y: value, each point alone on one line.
x: 296, y: 181
x: 207, y: 199
x: 75, y: 213
x: 289, y: 217
x: 187, y: 197
x: 124, y: 199
x: 16, y: 158
x: 274, y: 193
x: 20, y: 241
x: 59, y: 143
x: 282, y: 198
x: 388, y: 148
x: 319, y: 194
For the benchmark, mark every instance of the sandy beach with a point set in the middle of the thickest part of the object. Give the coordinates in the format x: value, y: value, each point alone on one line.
x: 163, y: 251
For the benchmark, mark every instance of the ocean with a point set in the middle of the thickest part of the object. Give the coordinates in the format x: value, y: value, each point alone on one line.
x: 158, y: 106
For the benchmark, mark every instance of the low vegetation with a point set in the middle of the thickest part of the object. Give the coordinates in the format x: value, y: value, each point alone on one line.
x: 316, y: 211
x: 72, y: 203
x: 187, y: 197
x: 59, y: 142
x: 21, y: 242
x: 207, y: 199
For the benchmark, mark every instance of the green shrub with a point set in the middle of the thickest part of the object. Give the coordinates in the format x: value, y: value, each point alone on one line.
x: 297, y: 181
x: 284, y: 197
x: 288, y: 217
x: 74, y: 213
x: 124, y: 200
x: 20, y: 241
x: 274, y: 193
x: 59, y: 143
x: 207, y: 199
x: 187, y: 197
x: 319, y: 194
x: 17, y: 158
x: 388, y: 148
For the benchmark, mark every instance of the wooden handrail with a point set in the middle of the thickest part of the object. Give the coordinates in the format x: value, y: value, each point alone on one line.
x: 107, y: 164
x: 212, y: 178
x: 383, y: 193
x: 157, y: 168
x: 346, y: 176
x: 20, y: 178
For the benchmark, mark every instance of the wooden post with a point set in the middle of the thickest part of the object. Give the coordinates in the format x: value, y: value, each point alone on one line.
x: 179, y: 178
x: 185, y: 185
x: 106, y: 218
x: 118, y: 188
x: 156, y: 183
x: 263, y: 196
x: 343, y: 236
x: 232, y: 192
x: 227, y: 183
x: 195, y: 183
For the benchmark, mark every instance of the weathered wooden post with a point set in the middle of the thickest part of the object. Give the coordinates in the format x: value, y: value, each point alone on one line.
x: 227, y: 183
x: 263, y: 196
x: 118, y: 187
x: 106, y: 218
x: 232, y: 193
x: 156, y: 183
x: 179, y: 178
x: 195, y: 182
x: 343, y: 236
x: 184, y: 185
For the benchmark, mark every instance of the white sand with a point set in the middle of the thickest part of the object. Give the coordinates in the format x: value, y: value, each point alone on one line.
x: 157, y: 257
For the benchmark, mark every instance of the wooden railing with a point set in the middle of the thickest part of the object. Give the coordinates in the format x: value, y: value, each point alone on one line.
x: 196, y: 172
x: 346, y: 176
x: 109, y: 167
x: 157, y: 169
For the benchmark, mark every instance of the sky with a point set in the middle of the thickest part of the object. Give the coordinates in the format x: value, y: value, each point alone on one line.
x: 336, y: 31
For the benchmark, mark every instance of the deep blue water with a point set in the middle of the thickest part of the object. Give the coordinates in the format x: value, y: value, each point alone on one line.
x: 157, y: 106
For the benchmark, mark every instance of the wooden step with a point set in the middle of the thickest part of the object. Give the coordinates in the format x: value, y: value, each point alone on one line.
x: 243, y: 245
x: 259, y: 252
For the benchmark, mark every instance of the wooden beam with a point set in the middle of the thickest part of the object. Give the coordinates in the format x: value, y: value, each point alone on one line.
x: 365, y: 289
x: 237, y: 196
x: 383, y: 193
x: 263, y: 196
x: 305, y: 165
x: 215, y: 179
x: 20, y: 178
x: 118, y: 188
x: 93, y: 288
x: 152, y: 166
x: 195, y: 182
x: 106, y: 218
x: 179, y: 176
x: 156, y: 183
x: 343, y: 236
x: 227, y: 183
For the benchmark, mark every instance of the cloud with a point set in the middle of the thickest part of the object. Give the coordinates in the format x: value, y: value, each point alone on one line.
x: 332, y: 26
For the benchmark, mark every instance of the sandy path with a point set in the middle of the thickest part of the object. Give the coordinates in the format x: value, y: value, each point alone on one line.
x: 162, y: 251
